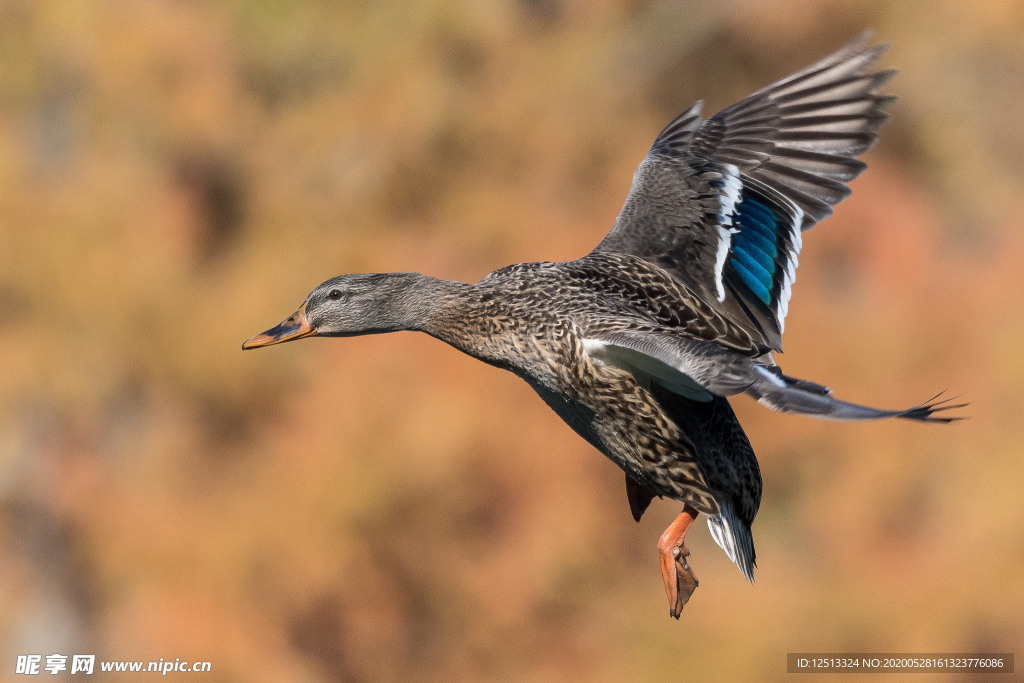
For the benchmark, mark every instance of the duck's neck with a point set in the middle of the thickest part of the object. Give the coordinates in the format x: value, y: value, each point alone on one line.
x: 427, y: 304
x: 460, y: 314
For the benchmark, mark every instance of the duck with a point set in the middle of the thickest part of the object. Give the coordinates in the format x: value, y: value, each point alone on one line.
x: 639, y: 345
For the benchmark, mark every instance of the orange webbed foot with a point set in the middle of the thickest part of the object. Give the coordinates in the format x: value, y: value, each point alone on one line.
x: 680, y: 581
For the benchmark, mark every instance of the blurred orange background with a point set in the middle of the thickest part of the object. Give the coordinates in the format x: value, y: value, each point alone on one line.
x: 176, y: 176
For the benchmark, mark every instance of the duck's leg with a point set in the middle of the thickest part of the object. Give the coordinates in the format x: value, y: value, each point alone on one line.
x: 679, y: 579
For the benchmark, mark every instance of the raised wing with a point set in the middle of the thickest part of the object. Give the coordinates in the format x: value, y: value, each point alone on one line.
x: 721, y: 203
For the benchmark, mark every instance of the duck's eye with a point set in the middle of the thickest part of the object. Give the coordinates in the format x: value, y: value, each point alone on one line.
x: 334, y: 294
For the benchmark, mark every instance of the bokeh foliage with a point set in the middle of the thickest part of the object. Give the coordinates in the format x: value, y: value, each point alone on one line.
x: 176, y: 176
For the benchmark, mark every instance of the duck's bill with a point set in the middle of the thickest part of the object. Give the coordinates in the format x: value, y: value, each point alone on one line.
x: 295, y: 327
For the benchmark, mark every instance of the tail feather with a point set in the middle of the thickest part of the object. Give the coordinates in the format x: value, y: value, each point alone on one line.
x: 926, y: 411
x: 734, y: 537
x: 788, y: 395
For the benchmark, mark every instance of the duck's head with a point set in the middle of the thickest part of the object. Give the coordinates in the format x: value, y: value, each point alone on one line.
x: 350, y: 305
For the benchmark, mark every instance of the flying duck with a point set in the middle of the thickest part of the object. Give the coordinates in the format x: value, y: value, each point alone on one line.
x: 638, y: 344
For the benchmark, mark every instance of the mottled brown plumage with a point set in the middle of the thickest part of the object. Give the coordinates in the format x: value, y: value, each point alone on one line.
x: 531, y: 318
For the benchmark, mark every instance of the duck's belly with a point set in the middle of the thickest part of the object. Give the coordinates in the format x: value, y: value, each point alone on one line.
x: 622, y: 420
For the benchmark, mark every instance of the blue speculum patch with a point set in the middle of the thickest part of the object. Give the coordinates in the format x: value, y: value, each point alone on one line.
x: 754, y: 248
x: 752, y: 283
